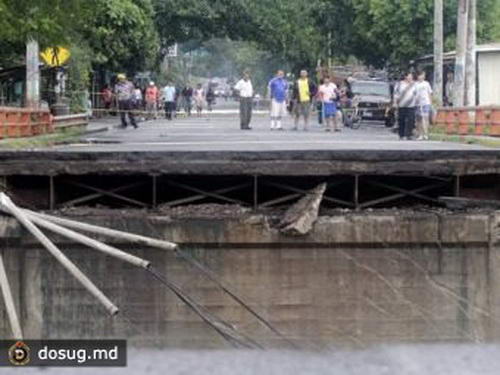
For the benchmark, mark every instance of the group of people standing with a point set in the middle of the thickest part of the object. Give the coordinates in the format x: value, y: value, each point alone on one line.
x: 197, y: 96
x: 130, y: 99
x: 300, y: 102
x: 413, y: 101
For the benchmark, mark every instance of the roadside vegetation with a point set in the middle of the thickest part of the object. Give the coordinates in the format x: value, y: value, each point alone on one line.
x: 134, y: 35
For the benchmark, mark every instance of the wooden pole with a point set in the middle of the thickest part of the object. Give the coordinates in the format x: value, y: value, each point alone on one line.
x: 9, y: 302
x: 438, y: 52
x: 470, y: 64
x: 11, y: 208
x: 134, y: 238
x: 77, y: 237
x: 459, y: 86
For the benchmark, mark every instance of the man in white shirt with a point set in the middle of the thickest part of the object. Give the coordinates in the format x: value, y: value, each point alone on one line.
x: 424, y: 106
x: 245, y: 92
x: 405, y: 101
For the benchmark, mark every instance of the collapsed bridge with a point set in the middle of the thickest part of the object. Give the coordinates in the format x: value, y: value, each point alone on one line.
x: 356, y: 179
x: 364, y: 274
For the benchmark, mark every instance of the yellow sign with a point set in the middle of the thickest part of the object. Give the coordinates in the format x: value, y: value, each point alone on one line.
x: 55, y: 56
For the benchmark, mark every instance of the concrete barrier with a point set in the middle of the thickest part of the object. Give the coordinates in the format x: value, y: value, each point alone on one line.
x: 24, y: 122
x: 483, y: 120
x: 64, y: 122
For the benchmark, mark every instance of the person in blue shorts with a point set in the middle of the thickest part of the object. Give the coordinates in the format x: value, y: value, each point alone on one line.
x: 328, y: 94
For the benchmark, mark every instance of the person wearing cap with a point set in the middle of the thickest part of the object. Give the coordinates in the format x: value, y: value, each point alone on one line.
x: 124, y: 90
x: 152, y: 97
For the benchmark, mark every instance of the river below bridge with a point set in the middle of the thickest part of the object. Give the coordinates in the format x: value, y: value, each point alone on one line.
x: 385, y: 360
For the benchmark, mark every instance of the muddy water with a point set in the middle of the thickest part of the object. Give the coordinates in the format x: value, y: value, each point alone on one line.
x: 399, y: 360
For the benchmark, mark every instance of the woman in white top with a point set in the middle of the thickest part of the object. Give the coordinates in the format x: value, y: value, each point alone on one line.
x: 424, y: 107
x: 328, y: 95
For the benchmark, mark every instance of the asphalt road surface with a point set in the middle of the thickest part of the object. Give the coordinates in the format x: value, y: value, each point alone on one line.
x: 219, y: 131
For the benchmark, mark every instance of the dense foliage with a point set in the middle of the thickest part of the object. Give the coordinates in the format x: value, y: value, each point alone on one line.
x: 396, y: 31
x: 132, y: 35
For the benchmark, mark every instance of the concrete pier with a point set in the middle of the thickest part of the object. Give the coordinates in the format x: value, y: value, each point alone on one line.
x: 390, y: 276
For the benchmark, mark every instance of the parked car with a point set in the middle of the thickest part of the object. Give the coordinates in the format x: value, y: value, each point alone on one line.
x: 373, y: 99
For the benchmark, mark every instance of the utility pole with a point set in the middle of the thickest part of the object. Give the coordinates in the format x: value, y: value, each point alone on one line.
x: 32, y: 74
x: 470, y: 64
x: 329, y: 52
x: 438, y: 52
x: 462, y: 21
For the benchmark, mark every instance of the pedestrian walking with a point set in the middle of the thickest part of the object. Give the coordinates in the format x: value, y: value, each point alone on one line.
x: 210, y: 98
x: 169, y: 100
x: 138, y: 102
x: 319, y: 106
x: 424, y: 107
x: 152, y: 97
x: 199, y: 99
x: 278, y: 91
x: 405, y: 102
x: 328, y: 95
x: 179, y: 100
x: 244, y: 89
x: 187, y: 95
x: 303, y: 93
x: 124, y: 90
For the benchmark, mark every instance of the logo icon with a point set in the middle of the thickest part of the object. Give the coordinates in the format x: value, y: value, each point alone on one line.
x: 19, y: 354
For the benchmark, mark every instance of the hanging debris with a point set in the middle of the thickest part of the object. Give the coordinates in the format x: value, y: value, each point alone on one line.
x: 9, y: 302
x: 300, y: 218
x: 8, y: 206
x: 229, y: 333
x: 214, y: 278
x: 31, y: 220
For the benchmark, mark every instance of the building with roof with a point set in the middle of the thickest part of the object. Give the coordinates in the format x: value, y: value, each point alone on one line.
x: 488, y: 71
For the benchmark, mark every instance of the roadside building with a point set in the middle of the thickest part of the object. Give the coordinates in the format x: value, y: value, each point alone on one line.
x: 488, y: 73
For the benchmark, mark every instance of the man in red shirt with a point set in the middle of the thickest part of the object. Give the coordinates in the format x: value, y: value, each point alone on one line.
x: 152, y: 97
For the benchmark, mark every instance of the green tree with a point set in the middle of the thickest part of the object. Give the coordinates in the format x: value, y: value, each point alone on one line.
x: 48, y: 21
x: 397, y: 31
x: 121, y: 34
x: 180, y: 21
x: 335, y: 18
x: 287, y: 30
